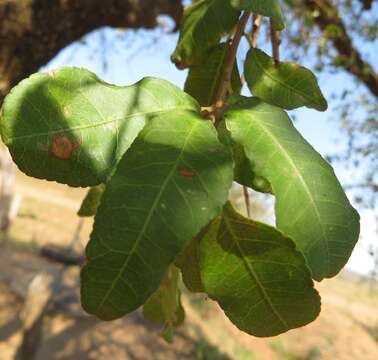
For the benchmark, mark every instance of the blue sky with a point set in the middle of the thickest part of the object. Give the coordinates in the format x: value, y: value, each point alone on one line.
x: 136, y: 54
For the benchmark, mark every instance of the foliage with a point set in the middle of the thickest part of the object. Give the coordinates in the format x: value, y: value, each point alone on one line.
x: 165, y: 166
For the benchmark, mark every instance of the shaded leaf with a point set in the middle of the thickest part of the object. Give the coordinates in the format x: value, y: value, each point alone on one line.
x: 269, y: 8
x: 203, y: 80
x: 311, y: 206
x: 164, y: 306
x: 188, y: 262
x: 203, y: 25
x: 287, y: 85
x: 257, y: 276
x: 172, y: 181
x: 243, y: 171
x: 91, y: 201
x: 70, y: 127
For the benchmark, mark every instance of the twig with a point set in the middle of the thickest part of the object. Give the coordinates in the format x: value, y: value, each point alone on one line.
x: 255, y: 29
x: 275, y: 39
x: 229, y: 65
x: 247, y: 201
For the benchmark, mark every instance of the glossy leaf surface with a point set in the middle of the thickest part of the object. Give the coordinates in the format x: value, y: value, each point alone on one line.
x: 257, y: 276
x: 172, y: 181
x: 70, y: 127
x: 311, y: 206
x: 287, y: 85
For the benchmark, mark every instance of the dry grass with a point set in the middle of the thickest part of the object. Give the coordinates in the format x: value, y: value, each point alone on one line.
x: 347, y: 328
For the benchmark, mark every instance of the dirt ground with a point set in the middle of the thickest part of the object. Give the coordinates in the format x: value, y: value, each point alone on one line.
x: 346, y: 329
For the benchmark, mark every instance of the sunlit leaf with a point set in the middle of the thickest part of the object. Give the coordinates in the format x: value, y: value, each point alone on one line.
x: 172, y: 181
x: 287, y: 85
x: 70, y: 127
x: 311, y: 206
x: 257, y: 276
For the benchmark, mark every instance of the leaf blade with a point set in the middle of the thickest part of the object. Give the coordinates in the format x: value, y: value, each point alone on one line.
x: 311, y: 206
x: 269, y: 8
x: 255, y: 273
x: 286, y: 85
x: 91, y: 201
x: 204, y: 23
x: 69, y: 126
x: 173, y: 180
x: 203, y: 81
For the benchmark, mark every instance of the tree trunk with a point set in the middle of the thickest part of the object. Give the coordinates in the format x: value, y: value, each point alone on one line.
x: 33, y: 31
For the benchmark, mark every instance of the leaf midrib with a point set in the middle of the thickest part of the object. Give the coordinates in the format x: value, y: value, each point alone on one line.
x: 254, y: 275
x: 295, y: 90
x: 147, y: 221
x: 302, y: 180
x: 94, y: 125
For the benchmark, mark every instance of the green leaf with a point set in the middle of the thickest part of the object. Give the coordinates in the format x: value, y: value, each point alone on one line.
x: 164, y: 306
x: 203, y: 80
x: 172, y: 181
x: 70, y: 127
x: 269, y: 8
x: 243, y: 171
x: 91, y: 201
x: 287, y: 85
x: 204, y: 23
x: 188, y: 262
x: 257, y: 276
x: 311, y: 206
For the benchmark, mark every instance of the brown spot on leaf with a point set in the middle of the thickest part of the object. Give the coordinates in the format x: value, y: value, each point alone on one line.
x: 186, y: 173
x: 62, y: 147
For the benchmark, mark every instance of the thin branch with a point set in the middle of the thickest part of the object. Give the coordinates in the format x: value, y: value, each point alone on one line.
x: 275, y: 39
x: 354, y: 63
x: 247, y: 201
x: 229, y: 65
x: 257, y: 19
x: 252, y: 40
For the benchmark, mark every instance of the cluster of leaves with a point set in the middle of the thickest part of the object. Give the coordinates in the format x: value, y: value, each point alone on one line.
x: 161, y: 175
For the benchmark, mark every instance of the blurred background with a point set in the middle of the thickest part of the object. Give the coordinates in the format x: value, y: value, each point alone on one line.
x: 42, y: 239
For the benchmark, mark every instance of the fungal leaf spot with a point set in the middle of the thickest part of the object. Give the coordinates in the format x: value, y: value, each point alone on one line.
x: 62, y: 147
x: 186, y: 173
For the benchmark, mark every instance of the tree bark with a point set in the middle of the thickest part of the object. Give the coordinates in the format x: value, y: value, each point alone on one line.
x: 33, y: 31
x: 352, y: 61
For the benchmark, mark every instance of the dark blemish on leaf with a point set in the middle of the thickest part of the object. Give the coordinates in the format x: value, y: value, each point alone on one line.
x: 186, y: 173
x: 62, y: 147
